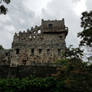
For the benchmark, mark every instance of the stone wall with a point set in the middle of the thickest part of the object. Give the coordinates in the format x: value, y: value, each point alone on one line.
x: 38, y: 70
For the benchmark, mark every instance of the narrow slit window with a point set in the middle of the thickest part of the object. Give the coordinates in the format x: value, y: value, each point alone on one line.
x: 6, y: 54
x: 48, y: 51
x: 32, y: 51
x: 17, y: 51
x: 59, y: 51
x: 40, y: 51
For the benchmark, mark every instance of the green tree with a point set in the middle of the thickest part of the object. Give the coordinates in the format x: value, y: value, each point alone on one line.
x: 1, y: 47
x: 86, y: 24
x: 73, y: 53
x: 3, y: 9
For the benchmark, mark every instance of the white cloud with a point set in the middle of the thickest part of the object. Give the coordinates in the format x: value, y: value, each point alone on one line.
x: 80, y: 6
x: 36, y: 5
x: 89, y: 4
x: 23, y: 14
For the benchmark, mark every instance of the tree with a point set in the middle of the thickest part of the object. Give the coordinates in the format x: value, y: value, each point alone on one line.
x: 3, y: 9
x: 73, y: 53
x: 86, y: 24
x: 1, y: 47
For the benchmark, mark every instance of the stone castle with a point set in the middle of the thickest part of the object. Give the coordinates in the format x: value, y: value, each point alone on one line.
x: 41, y: 44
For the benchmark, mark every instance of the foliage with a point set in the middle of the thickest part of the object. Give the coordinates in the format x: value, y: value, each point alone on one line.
x: 86, y: 24
x: 1, y: 47
x: 72, y: 76
x: 74, y: 53
x: 26, y: 84
x: 3, y: 9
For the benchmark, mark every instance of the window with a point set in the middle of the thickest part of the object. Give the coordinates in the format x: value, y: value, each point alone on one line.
x: 32, y: 51
x: 17, y: 51
x: 48, y: 51
x: 24, y: 62
x: 6, y: 54
x: 40, y: 51
x: 59, y: 51
x: 50, y: 26
x: 60, y: 37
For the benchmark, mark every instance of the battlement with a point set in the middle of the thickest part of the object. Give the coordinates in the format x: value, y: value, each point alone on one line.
x: 52, y: 26
x: 37, y: 33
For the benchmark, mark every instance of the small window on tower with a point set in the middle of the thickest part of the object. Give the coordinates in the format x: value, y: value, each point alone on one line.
x: 60, y: 37
x: 59, y: 51
x: 48, y: 51
x: 32, y: 51
x: 17, y: 51
x: 6, y: 54
x: 50, y: 26
x: 40, y: 51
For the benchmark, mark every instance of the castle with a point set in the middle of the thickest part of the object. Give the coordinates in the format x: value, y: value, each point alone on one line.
x: 41, y: 44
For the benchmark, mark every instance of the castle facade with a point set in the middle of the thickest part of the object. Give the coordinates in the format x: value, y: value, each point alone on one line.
x: 41, y: 44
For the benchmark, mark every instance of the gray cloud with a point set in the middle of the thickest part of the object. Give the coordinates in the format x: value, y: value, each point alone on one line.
x: 21, y: 17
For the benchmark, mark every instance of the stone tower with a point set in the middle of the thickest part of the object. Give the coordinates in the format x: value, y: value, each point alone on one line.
x: 41, y: 44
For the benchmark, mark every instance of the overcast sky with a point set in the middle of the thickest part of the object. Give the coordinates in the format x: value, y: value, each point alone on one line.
x: 24, y: 14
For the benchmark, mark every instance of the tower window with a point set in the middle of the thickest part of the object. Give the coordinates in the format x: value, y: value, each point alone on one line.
x: 6, y: 54
x: 48, y: 51
x: 40, y: 51
x: 17, y: 51
x: 50, y: 26
x: 59, y: 51
x: 32, y: 51
x: 60, y: 37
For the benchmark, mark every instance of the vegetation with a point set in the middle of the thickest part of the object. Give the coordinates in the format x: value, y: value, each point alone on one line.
x: 73, y: 76
x: 1, y: 47
x: 86, y: 24
x: 3, y: 9
x: 74, y: 53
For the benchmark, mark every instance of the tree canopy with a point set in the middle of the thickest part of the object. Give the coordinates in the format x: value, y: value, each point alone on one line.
x: 3, y: 9
x: 72, y: 53
x: 86, y: 24
x: 1, y: 47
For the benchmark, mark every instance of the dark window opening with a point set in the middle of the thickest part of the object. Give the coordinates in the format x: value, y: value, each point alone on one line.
x: 50, y: 26
x: 6, y: 54
x: 59, y: 51
x: 17, y: 51
x: 24, y: 62
x: 32, y: 51
x: 48, y: 51
x: 60, y: 37
x: 40, y: 51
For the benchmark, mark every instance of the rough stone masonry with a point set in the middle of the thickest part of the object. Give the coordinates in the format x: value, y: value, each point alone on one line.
x: 41, y: 44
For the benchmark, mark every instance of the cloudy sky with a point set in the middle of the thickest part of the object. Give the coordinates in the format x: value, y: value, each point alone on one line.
x: 24, y: 14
